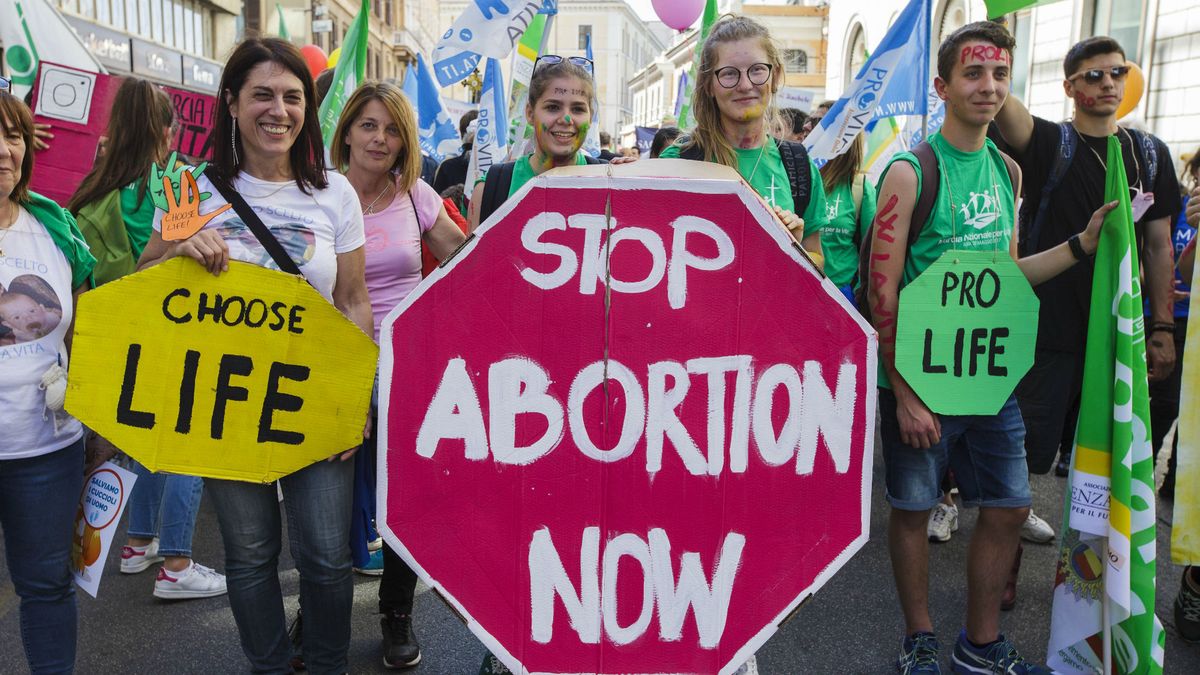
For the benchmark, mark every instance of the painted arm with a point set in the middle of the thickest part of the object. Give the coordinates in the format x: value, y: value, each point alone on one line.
x: 1158, y: 263
x: 919, y: 427
x: 1016, y: 125
x: 444, y: 236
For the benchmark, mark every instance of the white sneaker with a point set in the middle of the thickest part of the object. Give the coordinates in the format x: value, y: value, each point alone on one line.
x: 942, y: 522
x: 197, y: 581
x: 136, y: 559
x: 1037, y: 530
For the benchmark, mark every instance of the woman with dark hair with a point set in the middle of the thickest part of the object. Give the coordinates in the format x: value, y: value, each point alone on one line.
x: 42, y: 456
x: 663, y: 138
x: 851, y: 208
x: 115, y: 211
x: 270, y: 151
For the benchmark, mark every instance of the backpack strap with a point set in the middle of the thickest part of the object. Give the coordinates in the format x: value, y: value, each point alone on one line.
x: 252, y: 221
x: 1068, y: 141
x: 690, y: 152
x: 856, y: 196
x: 1144, y: 144
x: 799, y: 171
x: 495, y: 189
x: 931, y: 184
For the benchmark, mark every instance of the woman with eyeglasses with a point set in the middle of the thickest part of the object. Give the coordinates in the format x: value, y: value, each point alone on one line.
x: 270, y: 151
x: 115, y: 210
x: 733, y: 103
x: 561, y: 99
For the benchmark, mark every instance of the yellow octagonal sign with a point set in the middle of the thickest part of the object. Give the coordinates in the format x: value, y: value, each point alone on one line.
x: 249, y: 375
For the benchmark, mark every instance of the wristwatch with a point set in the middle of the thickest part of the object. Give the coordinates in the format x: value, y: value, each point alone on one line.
x: 1077, y: 248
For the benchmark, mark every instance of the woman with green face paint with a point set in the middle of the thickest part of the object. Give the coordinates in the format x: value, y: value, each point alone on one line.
x: 561, y: 99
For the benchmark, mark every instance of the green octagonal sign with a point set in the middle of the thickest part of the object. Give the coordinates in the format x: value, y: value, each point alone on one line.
x: 966, y: 332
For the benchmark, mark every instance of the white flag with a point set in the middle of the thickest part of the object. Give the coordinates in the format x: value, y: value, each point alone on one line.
x: 491, y: 129
x: 32, y: 30
x: 486, y: 28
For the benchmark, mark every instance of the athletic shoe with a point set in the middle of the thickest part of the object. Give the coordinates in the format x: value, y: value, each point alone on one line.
x: 1063, y: 468
x: 1036, y: 530
x: 400, y: 647
x: 375, y: 544
x: 197, y: 581
x: 919, y: 655
x: 998, y: 658
x: 942, y: 522
x: 374, y: 566
x: 1187, y: 608
x: 136, y: 559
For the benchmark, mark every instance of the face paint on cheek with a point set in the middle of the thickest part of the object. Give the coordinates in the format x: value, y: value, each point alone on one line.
x: 753, y: 112
x: 1084, y: 100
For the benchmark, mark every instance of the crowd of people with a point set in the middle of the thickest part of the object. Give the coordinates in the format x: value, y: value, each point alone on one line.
x: 378, y: 215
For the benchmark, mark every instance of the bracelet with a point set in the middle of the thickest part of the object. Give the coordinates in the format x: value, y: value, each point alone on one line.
x: 1076, y: 248
x: 1161, y: 328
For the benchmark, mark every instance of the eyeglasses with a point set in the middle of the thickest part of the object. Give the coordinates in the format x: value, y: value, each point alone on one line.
x: 5, y: 84
x: 1096, y: 75
x: 729, y: 76
x: 552, y: 59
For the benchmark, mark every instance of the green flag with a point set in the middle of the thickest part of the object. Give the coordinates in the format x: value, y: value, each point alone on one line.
x: 524, y: 57
x: 997, y: 8
x: 350, y: 70
x: 686, y: 119
x: 283, y: 31
x: 1107, y: 552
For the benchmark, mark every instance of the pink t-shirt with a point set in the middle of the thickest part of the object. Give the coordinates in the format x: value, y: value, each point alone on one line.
x: 394, y: 248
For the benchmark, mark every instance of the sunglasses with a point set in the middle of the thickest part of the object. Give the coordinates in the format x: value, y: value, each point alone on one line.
x: 730, y: 76
x: 552, y: 59
x: 1096, y: 75
x: 5, y: 84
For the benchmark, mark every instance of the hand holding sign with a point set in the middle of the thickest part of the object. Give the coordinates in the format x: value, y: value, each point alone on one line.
x: 183, y: 218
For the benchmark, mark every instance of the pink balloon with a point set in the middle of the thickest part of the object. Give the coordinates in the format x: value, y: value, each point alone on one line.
x: 678, y: 14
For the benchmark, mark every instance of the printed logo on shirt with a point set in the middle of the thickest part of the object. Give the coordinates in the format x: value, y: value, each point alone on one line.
x: 29, y: 310
x: 980, y: 209
x: 832, y: 208
x: 299, y: 242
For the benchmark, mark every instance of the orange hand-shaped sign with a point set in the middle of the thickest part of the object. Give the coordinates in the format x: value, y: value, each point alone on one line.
x: 183, y: 218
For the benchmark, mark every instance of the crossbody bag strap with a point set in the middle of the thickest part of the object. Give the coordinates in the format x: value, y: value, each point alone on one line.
x: 252, y: 221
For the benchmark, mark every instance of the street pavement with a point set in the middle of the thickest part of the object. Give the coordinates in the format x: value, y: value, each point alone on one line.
x: 852, y: 625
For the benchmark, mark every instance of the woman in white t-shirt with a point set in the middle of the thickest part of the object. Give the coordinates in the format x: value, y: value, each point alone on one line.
x: 270, y: 151
x: 44, y: 265
x: 379, y: 152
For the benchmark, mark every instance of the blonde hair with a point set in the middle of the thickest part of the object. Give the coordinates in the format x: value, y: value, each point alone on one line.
x: 408, y: 162
x: 708, y: 135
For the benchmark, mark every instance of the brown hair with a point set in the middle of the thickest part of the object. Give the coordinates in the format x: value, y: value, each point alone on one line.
x: 983, y: 31
x: 1190, y: 169
x: 141, y: 112
x: 307, y: 155
x: 843, y: 168
x: 408, y: 162
x: 14, y: 112
x: 708, y: 135
x: 1086, y: 49
x: 545, y: 74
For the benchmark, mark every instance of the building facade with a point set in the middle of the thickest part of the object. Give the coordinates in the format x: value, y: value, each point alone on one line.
x: 1161, y: 36
x: 799, y: 30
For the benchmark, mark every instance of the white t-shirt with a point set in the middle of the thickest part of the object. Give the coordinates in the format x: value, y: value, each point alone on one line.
x: 312, y: 228
x: 35, y: 314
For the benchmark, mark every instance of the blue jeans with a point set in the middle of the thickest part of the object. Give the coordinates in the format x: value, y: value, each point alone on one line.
x: 317, y: 500
x: 986, y: 452
x: 38, y: 499
x: 164, y: 505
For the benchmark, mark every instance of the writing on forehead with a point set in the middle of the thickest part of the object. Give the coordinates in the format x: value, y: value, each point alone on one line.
x: 573, y: 92
x: 983, y: 54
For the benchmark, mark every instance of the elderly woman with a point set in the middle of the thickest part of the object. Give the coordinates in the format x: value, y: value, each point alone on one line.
x: 44, y: 266
x: 271, y: 153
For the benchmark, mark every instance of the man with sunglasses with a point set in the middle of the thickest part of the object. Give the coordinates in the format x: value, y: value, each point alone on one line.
x: 1064, y: 167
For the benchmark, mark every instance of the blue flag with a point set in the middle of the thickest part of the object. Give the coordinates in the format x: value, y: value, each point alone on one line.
x: 438, y: 134
x: 591, y: 142
x: 491, y: 128
x: 485, y: 29
x: 892, y: 82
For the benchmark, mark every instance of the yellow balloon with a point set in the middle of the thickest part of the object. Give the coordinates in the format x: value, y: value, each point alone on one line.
x: 334, y: 56
x: 1135, y: 85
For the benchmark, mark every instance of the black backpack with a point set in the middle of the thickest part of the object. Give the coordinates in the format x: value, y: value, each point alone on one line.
x: 930, y: 176
x: 499, y: 182
x: 795, y: 162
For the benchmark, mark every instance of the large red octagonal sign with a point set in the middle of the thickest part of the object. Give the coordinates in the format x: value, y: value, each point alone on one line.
x: 628, y: 428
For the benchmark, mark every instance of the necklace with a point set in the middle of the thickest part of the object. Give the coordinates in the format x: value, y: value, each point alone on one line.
x: 993, y: 193
x: 1137, y: 166
x: 757, y: 161
x: 270, y: 194
x: 371, y: 207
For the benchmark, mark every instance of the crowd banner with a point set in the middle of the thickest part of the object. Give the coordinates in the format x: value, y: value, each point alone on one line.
x: 438, y: 134
x: 491, y: 129
x: 876, y: 91
x: 105, y: 493
x: 249, y: 375
x: 965, y: 332
x: 195, y: 114
x: 639, y: 475
x: 795, y: 97
x: 32, y: 30
x: 524, y: 58
x: 349, y: 72
x: 1102, y: 619
x: 686, y: 119
x: 486, y: 28
x: 644, y: 139
x: 1185, y: 524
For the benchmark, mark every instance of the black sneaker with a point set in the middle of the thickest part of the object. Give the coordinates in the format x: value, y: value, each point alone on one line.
x: 400, y: 648
x: 1187, y: 609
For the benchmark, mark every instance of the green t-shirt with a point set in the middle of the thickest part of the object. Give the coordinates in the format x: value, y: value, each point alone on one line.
x: 138, y: 217
x: 845, y: 229
x: 975, y: 189
x: 523, y: 172
x: 770, y: 180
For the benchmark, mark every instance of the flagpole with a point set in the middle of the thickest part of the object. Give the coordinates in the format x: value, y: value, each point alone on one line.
x: 1104, y: 616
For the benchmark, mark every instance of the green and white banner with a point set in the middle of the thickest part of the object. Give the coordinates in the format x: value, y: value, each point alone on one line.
x: 686, y: 119
x: 32, y: 30
x: 1106, y: 563
x: 349, y: 72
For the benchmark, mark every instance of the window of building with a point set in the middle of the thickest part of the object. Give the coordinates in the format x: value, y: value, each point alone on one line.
x: 1121, y: 20
x: 857, y: 54
x: 131, y: 16
x: 156, y: 20
x: 795, y: 60
x: 585, y: 36
x: 1021, y: 24
x: 954, y: 16
x: 387, y: 12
